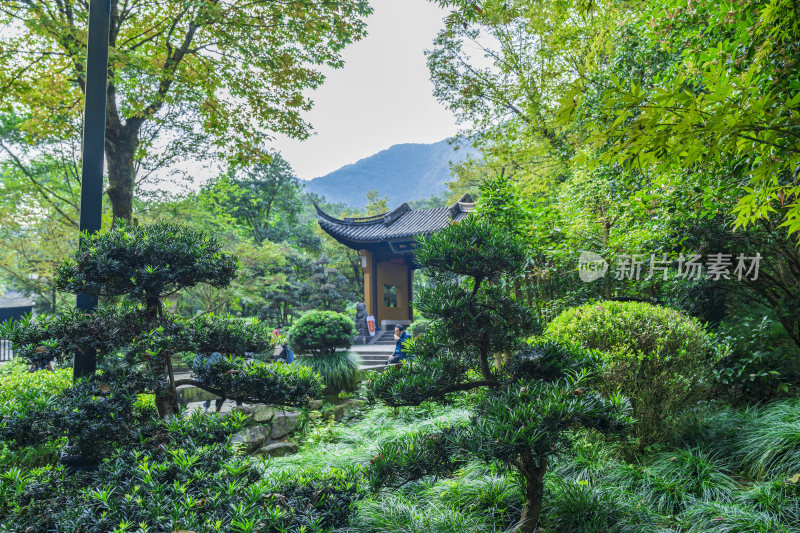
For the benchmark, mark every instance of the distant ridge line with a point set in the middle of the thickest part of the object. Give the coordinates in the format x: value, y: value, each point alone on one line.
x: 402, y: 172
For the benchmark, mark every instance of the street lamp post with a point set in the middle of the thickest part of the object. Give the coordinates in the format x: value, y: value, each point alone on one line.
x: 94, y: 129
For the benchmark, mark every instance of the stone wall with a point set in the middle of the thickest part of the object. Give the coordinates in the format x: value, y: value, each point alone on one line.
x: 270, y: 429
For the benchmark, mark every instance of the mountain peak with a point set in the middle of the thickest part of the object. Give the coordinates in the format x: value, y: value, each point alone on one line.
x: 402, y: 172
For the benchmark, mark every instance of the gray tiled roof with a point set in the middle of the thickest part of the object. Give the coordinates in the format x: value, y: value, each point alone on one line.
x: 400, y: 223
x: 15, y: 299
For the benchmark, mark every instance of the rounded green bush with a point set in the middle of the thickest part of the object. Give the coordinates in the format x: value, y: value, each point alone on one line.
x: 660, y: 359
x: 321, y: 332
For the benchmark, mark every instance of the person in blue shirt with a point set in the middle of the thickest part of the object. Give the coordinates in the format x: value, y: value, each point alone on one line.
x: 282, y: 351
x: 401, y: 336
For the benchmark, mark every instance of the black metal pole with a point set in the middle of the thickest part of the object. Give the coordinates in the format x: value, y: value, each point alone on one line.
x: 94, y: 138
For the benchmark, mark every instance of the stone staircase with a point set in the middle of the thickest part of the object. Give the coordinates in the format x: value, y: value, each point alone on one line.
x: 373, y: 356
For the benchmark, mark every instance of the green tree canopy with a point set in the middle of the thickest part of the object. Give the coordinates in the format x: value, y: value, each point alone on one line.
x: 726, y: 99
x: 266, y: 199
x: 226, y: 73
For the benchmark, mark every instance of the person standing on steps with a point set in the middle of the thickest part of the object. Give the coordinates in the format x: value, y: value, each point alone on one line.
x: 282, y: 351
x: 401, y: 336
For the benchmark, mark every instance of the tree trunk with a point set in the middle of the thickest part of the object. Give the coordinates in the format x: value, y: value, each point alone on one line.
x: 166, y: 394
x: 534, y: 487
x: 483, y: 350
x: 121, y: 145
x: 791, y: 323
x: 161, y: 364
x: 167, y: 402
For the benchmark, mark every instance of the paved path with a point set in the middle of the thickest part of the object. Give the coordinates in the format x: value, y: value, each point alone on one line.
x: 373, y: 356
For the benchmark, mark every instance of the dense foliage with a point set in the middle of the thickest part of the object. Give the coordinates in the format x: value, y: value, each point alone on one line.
x: 22, y: 393
x: 727, y: 98
x: 634, y: 130
x: 254, y: 381
x: 145, y: 264
x: 185, y: 475
x: 287, y: 271
x: 528, y: 396
x: 760, y: 362
x: 168, y: 70
x: 643, y: 132
x: 731, y: 470
x: 659, y: 359
x: 322, y: 333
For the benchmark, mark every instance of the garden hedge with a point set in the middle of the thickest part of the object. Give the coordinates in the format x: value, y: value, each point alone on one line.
x: 657, y: 357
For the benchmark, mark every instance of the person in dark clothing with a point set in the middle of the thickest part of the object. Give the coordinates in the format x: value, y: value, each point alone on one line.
x: 282, y: 351
x: 401, y: 336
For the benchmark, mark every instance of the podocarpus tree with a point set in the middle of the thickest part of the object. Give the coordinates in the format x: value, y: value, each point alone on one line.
x: 527, y: 395
x: 143, y: 265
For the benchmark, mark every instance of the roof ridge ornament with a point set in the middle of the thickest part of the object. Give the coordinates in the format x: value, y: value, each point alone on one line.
x: 464, y: 205
x: 396, y: 213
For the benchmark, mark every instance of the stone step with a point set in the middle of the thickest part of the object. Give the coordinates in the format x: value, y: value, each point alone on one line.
x: 373, y: 368
x: 374, y: 360
x: 373, y: 348
x: 371, y: 364
x: 374, y: 357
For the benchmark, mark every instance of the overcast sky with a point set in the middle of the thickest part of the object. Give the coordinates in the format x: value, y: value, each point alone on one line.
x: 382, y: 96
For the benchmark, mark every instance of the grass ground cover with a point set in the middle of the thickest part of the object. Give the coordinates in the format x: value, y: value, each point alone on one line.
x: 732, y: 471
x: 477, y: 498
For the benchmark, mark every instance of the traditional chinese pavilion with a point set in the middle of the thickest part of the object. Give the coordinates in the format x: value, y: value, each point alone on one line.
x: 386, y: 244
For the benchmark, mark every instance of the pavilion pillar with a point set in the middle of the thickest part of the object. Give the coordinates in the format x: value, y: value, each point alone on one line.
x: 374, y: 287
x: 410, y: 294
x: 370, y: 269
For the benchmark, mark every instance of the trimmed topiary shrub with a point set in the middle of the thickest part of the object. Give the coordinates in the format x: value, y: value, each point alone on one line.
x: 323, y: 335
x: 322, y: 332
x: 522, y: 411
x: 134, y: 342
x: 660, y: 359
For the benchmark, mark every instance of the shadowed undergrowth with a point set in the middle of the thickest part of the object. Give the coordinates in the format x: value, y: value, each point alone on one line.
x: 733, y: 472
